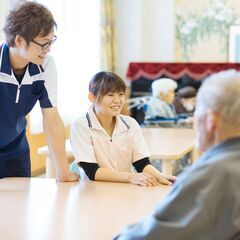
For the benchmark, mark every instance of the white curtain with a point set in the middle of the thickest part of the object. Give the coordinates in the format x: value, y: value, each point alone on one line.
x: 4, y: 7
x: 76, y: 53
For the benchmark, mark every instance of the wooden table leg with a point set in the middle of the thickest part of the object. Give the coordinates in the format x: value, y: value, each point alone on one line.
x: 50, y: 170
x: 167, y: 167
x: 195, y: 154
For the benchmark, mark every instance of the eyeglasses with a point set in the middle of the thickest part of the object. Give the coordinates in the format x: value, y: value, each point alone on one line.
x: 46, y: 45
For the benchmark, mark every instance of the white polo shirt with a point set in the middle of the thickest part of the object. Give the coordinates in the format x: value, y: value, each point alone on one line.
x: 91, y: 143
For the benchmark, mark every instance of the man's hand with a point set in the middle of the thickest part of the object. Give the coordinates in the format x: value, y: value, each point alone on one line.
x: 71, y: 177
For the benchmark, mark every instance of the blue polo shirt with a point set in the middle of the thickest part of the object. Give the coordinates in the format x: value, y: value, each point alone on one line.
x: 17, y: 100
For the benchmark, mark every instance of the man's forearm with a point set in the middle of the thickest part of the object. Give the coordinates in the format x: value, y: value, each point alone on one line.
x: 55, y: 136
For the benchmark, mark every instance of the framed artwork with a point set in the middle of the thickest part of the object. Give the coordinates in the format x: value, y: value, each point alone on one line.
x: 202, y: 29
x: 234, y: 44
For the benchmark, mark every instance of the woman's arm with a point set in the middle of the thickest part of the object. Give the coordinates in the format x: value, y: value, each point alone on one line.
x: 141, y: 161
x: 95, y: 173
x: 142, y: 179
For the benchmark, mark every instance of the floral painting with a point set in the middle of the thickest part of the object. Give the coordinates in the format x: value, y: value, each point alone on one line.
x: 203, y: 27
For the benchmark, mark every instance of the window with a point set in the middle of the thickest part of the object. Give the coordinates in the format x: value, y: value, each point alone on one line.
x: 76, y: 53
x: 4, y: 7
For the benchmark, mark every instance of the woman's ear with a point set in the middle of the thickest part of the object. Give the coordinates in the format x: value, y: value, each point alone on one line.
x: 91, y: 97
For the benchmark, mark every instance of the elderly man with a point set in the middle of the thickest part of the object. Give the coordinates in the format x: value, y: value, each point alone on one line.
x: 205, y: 201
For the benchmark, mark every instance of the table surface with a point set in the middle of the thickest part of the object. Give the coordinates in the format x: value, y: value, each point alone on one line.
x: 42, y: 209
x: 163, y: 143
x: 169, y: 143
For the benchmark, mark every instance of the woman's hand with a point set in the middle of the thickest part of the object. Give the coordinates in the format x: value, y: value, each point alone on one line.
x: 143, y: 179
x: 165, y: 179
x: 159, y: 176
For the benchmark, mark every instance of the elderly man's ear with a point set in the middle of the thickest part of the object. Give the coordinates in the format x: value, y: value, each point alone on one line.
x: 212, y: 121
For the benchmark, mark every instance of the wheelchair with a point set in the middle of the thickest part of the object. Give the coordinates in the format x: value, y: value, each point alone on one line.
x: 138, y: 108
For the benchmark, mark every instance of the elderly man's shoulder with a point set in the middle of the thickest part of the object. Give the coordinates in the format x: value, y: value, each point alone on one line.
x: 227, y: 163
x: 213, y: 166
x: 220, y: 165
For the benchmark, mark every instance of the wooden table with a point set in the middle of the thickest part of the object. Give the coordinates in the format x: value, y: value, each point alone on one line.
x: 42, y: 209
x: 166, y: 144
x: 169, y: 144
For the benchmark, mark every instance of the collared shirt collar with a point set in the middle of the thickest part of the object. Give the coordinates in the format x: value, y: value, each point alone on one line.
x: 120, y: 126
x: 218, y: 149
x: 5, y: 66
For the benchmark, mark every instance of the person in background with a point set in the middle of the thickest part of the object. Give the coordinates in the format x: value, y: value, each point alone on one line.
x: 160, y: 104
x: 27, y: 75
x: 184, y: 102
x: 205, y: 200
x: 107, y: 144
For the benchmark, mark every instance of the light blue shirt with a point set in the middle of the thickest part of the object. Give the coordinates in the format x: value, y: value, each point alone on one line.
x: 204, y: 203
x: 156, y: 107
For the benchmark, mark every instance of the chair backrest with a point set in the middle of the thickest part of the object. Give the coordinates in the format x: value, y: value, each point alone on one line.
x: 138, y: 107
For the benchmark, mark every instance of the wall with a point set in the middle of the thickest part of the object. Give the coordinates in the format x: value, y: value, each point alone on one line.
x: 144, y: 32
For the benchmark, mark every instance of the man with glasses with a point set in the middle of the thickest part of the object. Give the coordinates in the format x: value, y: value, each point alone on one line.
x: 27, y: 75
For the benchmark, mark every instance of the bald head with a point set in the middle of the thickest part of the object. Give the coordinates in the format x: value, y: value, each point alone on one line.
x: 221, y: 94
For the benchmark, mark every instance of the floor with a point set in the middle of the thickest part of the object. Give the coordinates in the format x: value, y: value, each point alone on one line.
x: 41, y: 176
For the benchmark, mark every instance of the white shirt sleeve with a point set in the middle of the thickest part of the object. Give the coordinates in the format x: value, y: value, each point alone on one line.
x: 50, y: 77
x: 80, y: 139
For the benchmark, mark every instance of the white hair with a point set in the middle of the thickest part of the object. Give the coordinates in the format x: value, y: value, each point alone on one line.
x: 163, y: 85
x: 221, y: 93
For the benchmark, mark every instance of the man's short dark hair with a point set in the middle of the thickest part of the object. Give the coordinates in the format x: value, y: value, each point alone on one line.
x: 29, y: 19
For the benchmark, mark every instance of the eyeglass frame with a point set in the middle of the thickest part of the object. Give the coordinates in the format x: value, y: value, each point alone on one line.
x: 46, y: 45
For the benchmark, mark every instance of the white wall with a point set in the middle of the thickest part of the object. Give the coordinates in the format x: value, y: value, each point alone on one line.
x: 144, y: 32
